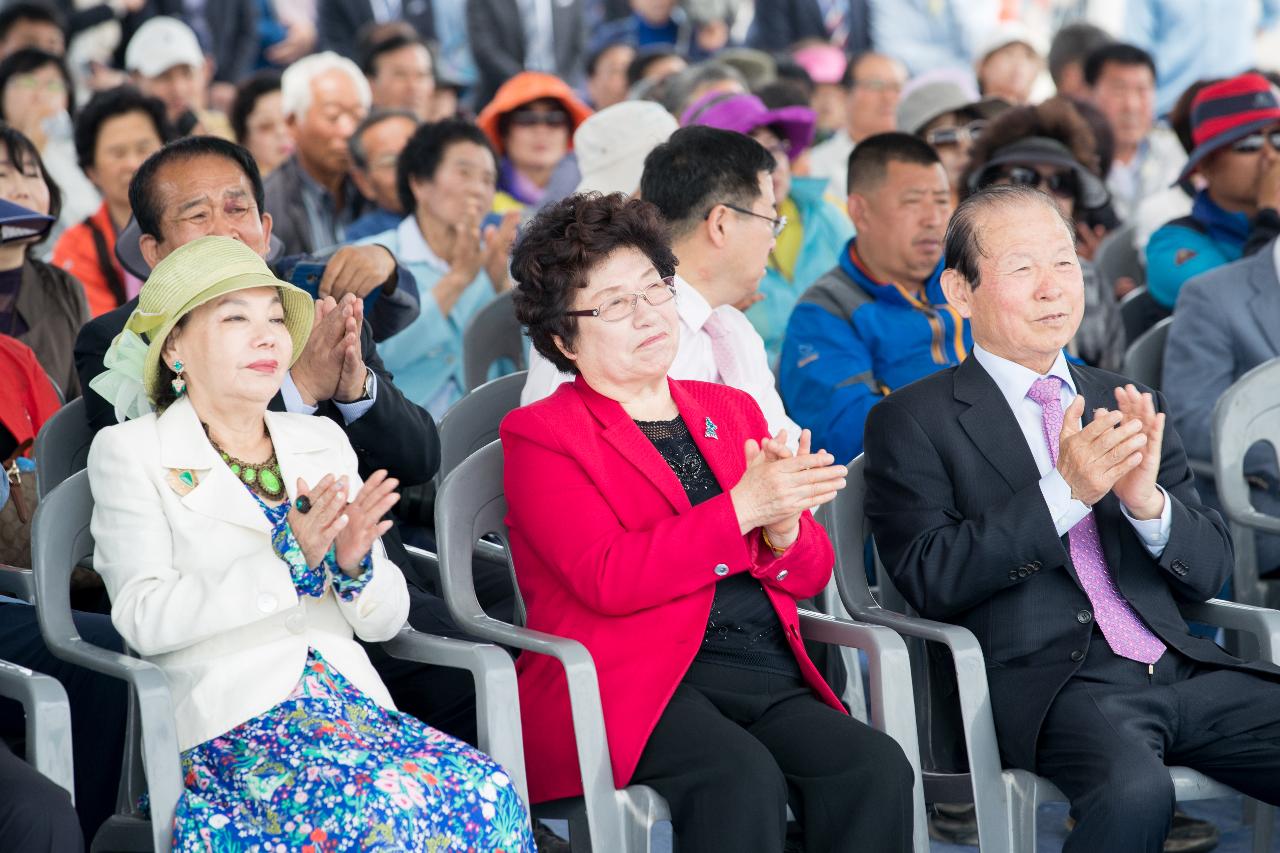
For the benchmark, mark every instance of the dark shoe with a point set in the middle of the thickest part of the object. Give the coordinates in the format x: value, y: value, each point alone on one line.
x: 954, y: 823
x: 1186, y: 835
x: 547, y: 841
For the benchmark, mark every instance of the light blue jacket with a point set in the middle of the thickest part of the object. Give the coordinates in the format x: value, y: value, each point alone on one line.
x: 826, y: 231
x: 426, y: 358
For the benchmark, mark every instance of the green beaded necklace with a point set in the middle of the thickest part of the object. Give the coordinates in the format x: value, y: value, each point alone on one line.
x: 264, y: 478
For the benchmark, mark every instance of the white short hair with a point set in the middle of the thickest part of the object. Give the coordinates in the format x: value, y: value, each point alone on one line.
x: 295, y: 84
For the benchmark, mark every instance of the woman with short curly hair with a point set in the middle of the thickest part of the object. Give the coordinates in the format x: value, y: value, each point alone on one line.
x: 657, y: 522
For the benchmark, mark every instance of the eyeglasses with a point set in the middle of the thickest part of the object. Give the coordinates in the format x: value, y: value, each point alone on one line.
x: 1252, y: 143
x: 945, y: 136
x: 777, y: 223
x: 533, y: 118
x: 878, y: 86
x: 1064, y: 184
x: 622, y: 307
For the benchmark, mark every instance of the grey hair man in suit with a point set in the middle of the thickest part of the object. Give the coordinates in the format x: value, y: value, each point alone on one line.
x: 1227, y: 322
x: 1047, y: 508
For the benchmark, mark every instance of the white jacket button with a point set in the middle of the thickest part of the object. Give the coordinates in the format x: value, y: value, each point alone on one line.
x: 267, y: 603
x: 721, y: 569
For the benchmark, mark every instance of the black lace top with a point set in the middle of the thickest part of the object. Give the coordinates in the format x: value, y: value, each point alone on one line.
x: 743, y: 628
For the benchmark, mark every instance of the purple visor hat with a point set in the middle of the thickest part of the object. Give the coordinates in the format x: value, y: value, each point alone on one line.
x: 745, y: 113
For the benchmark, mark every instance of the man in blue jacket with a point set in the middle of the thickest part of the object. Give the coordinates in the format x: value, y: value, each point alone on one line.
x: 878, y: 320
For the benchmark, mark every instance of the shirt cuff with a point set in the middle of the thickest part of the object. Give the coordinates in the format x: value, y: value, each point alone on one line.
x: 344, y: 585
x: 292, y: 399
x: 1065, y: 510
x: 1154, y: 532
x: 352, y: 412
x: 306, y: 580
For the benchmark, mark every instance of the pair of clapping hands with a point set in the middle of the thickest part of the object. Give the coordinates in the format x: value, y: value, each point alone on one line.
x: 778, y: 486
x: 330, y: 521
x: 1119, y: 451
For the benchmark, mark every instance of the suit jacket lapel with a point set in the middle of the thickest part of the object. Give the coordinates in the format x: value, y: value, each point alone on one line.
x: 300, y: 449
x: 625, y: 437
x: 992, y: 427
x: 217, y: 492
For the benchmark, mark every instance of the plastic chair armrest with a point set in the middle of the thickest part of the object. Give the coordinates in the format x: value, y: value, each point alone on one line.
x: 497, y: 695
x: 16, y: 582
x: 48, y: 721
x: 426, y: 563
x: 1262, y: 622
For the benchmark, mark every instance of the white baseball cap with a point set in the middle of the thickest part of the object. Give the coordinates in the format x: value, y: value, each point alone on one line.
x: 160, y: 44
x: 611, y: 145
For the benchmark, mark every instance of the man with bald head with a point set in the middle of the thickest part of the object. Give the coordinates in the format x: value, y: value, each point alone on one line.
x: 1047, y: 508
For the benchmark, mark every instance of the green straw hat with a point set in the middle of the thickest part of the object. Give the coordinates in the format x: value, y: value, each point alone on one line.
x: 196, y: 273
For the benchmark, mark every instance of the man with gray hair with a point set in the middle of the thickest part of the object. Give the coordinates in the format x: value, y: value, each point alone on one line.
x: 1047, y: 508
x: 311, y: 196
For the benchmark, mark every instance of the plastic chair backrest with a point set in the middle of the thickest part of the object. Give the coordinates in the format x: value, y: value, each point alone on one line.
x: 1117, y: 257
x: 62, y: 446
x: 1246, y: 414
x: 1144, y: 357
x: 1139, y: 311
x: 473, y: 421
x: 494, y: 333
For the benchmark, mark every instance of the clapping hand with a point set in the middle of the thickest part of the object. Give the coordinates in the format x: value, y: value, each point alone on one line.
x: 1093, y: 459
x: 316, y: 528
x: 363, y: 521
x: 1137, y: 489
x: 330, y: 364
x: 778, y: 486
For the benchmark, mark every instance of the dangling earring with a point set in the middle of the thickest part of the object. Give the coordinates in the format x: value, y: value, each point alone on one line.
x: 178, y: 384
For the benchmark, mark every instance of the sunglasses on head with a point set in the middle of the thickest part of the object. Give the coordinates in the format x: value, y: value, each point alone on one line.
x: 532, y: 118
x: 1252, y: 143
x: 1063, y: 184
x: 945, y: 136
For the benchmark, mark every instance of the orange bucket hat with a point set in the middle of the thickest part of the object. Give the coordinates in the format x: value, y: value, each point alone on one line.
x: 525, y: 88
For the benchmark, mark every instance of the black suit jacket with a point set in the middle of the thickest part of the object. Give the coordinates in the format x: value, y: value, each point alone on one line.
x: 339, y: 22
x: 954, y: 503
x: 394, y: 434
x: 781, y: 23
x: 497, y: 42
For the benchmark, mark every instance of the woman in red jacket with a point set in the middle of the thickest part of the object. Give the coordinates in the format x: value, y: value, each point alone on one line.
x: 657, y: 522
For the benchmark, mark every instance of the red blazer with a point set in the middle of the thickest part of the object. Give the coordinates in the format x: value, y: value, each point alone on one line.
x: 608, y: 551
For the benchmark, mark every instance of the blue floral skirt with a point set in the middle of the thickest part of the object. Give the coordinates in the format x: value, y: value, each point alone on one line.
x: 328, y: 769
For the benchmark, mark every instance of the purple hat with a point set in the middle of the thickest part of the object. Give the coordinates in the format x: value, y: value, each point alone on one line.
x: 745, y: 113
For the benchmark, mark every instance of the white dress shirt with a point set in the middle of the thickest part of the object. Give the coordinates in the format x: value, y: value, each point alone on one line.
x: 1014, y: 381
x: 694, y: 359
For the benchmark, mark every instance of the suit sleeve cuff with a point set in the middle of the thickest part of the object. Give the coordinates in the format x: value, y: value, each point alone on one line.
x: 1065, y: 510
x: 352, y: 412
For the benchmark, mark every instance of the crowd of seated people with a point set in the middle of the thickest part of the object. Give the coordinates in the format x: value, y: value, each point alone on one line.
x: 747, y: 241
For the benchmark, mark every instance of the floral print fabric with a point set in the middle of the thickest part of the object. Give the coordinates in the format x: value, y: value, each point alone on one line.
x: 328, y: 770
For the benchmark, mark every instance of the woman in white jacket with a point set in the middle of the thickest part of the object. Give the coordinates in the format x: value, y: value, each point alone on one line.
x: 241, y: 553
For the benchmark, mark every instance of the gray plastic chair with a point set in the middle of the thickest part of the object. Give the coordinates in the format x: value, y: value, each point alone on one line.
x: 492, y: 335
x: 48, y: 726
x: 473, y: 421
x: 62, y: 446
x: 1144, y: 358
x: 1005, y: 800
x: 1247, y: 413
x: 1117, y: 257
x: 605, y: 819
x: 1139, y: 311
x: 61, y: 538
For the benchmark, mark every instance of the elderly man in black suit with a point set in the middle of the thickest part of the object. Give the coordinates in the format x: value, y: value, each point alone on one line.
x: 1045, y: 507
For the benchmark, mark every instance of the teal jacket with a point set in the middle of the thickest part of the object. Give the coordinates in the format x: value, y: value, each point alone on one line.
x: 826, y: 231
x: 426, y: 357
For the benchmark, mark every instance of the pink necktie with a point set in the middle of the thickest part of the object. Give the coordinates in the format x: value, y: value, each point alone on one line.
x: 722, y: 352
x: 1123, y: 629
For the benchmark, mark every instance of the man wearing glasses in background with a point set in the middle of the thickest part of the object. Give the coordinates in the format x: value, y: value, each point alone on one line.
x: 713, y: 188
x: 873, y: 83
x: 1235, y: 125
x: 878, y: 320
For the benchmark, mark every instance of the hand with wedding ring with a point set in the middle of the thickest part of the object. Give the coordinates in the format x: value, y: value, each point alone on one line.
x: 778, y: 486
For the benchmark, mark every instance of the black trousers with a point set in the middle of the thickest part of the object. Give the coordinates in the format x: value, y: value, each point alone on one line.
x: 1113, y: 731
x: 734, y: 747
x: 98, y: 707
x: 36, y: 815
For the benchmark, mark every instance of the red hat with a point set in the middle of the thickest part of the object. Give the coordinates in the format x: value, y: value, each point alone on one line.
x: 1229, y: 110
x: 525, y: 88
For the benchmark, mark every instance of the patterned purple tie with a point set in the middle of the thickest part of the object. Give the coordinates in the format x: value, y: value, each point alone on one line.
x: 1123, y: 629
